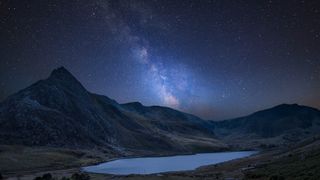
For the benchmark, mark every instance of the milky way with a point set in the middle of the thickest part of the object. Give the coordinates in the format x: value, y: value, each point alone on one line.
x: 163, y: 82
x: 216, y: 59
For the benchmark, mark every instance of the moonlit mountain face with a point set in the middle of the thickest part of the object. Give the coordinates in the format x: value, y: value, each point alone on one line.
x: 215, y: 59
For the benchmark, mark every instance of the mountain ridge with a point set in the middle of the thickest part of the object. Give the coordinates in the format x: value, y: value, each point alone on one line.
x: 279, y: 125
x: 60, y: 112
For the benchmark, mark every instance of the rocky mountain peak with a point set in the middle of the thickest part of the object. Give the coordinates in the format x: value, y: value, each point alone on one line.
x: 61, y: 73
x: 60, y: 112
x: 61, y: 77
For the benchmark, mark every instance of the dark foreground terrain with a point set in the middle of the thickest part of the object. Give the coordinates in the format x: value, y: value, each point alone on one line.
x: 301, y: 161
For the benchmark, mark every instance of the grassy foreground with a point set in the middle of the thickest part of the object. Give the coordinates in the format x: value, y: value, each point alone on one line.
x: 21, y: 160
x: 298, y: 162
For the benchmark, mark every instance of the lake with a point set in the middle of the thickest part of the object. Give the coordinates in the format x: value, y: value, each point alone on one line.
x: 150, y: 165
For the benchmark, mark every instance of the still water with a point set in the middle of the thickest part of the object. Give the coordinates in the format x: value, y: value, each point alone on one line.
x: 150, y: 165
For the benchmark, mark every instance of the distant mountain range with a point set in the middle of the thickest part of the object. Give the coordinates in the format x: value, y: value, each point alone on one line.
x: 281, y: 125
x: 60, y: 112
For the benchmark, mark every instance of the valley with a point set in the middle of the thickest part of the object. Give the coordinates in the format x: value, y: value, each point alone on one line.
x: 297, y: 162
x: 57, y: 126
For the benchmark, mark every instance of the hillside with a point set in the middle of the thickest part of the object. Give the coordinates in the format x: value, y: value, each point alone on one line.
x: 60, y: 112
x: 281, y: 125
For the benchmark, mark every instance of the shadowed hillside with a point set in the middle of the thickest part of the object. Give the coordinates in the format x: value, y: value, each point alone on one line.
x: 281, y: 125
x: 60, y: 112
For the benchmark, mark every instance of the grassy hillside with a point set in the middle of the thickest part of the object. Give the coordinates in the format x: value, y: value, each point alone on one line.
x: 21, y: 159
x: 300, y: 163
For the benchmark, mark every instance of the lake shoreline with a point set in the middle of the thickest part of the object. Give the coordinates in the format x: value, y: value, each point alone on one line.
x: 88, y: 158
x: 195, y: 157
x: 157, y: 155
x: 96, y: 157
x: 173, y: 154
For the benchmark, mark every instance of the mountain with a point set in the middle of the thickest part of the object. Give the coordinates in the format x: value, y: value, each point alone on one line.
x: 60, y: 112
x: 282, y: 124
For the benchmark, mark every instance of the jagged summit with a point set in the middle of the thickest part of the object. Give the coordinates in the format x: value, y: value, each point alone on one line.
x: 62, y: 81
x: 60, y: 70
x: 63, y: 74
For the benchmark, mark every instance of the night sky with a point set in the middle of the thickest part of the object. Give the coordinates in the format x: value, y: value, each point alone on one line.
x: 215, y: 59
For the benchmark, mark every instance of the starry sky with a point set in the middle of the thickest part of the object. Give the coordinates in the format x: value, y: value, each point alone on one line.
x: 216, y: 59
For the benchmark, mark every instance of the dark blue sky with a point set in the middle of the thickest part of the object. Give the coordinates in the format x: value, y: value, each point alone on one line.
x: 216, y: 59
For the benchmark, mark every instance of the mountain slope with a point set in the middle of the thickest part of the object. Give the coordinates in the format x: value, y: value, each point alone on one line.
x: 281, y: 124
x: 60, y: 112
